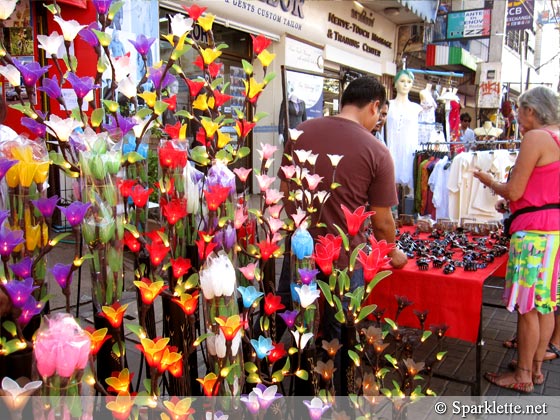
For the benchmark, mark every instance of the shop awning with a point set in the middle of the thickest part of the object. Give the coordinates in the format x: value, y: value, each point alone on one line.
x: 425, y: 9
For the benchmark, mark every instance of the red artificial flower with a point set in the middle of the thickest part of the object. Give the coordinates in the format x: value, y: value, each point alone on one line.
x: 215, y: 196
x: 180, y: 266
x: 153, y: 350
x: 277, y: 353
x: 173, y: 130
x: 246, y: 234
x: 158, y: 251
x: 213, y: 68
x: 170, y: 157
x: 188, y: 303
x: 155, y: 235
x: 149, y: 290
x: 194, y: 86
x: 331, y: 241
x: 131, y: 242
x: 205, y: 245
x: 97, y: 338
x: 201, y: 137
x: 176, y: 369
x: 220, y: 98
x: 324, y: 256
x: 272, y: 303
x: 194, y: 11
x: 140, y: 195
x: 244, y: 127
x: 372, y: 263
x: 114, y: 313
x: 174, y: 210
x: 354, y: 220
x: 171, y: 102
x: 229, y: 326
x: 383, y: 247
x: 126, y: 187
x: 260, y: 43
x: 267, y: 248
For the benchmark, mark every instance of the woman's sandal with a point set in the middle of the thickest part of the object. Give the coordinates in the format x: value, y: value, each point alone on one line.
x: 552, y: 349
x: 538, y: 378
x: 511, y: 344
x: 524, y: 387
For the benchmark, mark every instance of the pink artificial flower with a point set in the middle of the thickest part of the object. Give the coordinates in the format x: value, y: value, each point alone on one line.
x: 274, y: 211
x: 265, y: 181
x: 313, y: 181
x: 275, y: 224
x: 240, y: 218
x: 267, y: 151
x: 273, y: 196
x: 242, y: 173
x: 289, y: 171
x: 299, y: 217
x: 249, y: 271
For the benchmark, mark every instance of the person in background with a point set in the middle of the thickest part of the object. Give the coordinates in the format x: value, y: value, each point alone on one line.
x: 534, y: 257
x: 378, y: 131
x: 467, y: 136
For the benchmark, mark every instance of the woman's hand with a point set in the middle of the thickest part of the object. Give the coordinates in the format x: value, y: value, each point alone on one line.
x: 502, y: 205
x: 484, y: 177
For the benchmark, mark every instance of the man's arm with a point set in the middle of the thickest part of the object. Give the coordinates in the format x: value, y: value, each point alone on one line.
x: 384, y: 228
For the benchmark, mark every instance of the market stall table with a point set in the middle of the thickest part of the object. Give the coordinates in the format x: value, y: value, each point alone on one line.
x: 451, y: 299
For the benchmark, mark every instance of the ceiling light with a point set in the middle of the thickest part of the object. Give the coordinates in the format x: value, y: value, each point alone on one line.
x: 358, y: 5
x: 392, y: 11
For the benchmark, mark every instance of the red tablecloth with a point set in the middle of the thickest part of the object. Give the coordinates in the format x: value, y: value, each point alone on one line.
x: 453, y: 299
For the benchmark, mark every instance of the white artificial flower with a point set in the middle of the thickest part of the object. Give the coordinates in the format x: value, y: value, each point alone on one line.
x: 266, y: 151
x: 123, y: 67
x: 139, y: 127
x: 321, y: 196
x: 61, y: 128
x: 304, y: 338
x: 7, y: 7
x: 193, y: 192
x: 307, y: 295
x: 268, y: 163
x: 236, y: 344
x: 221, y: 348
x: 302, y: 155
x: 180, y: 24
x: 12, y: 74
x: 217, y: 277
x: 69, y: 28
x: 216, y: 415
x: 16, y: 396
x: 51, y: 43
x: 294, y: 134
x: 127, y: 87
x: 211, y: 344
x: 312, y: 159
x: 335, y: 159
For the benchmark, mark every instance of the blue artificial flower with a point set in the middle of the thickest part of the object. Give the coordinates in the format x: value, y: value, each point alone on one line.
x: 250, y: 295
x: 263, y: 347
x: 302, y: 243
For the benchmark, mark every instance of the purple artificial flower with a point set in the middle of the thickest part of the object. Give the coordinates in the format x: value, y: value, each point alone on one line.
x: 40, y: 130
x: 82, y: 85
x: 102, y: 6
x: 30, y: 72
x: 9, y: 239
x: 75, y: 212
x: 23, y: 268
x: 62, y: 274
x: 20, y: 291
x: 289, y: 317
x: 156, y: 77
x: 3, y: 215
x: 307, y: 275
x: 220, y: 174
x: 266, y: 395
x: 121, y: 125
x: 142, y: 44
x: 226, y: 238
x: 46, y: 206
x: 5, y: 165
x: 29, y: 310
x: 89, y: 36
x: 51, y: 87
x: 316, y: 408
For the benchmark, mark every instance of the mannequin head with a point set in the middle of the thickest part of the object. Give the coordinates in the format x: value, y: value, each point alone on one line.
x: 403, y: 82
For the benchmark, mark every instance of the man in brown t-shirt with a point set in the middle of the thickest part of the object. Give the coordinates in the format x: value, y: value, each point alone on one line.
x: 366, y: 172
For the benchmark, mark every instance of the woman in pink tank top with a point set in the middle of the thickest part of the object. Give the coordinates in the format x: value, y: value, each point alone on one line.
x: 534, y: 257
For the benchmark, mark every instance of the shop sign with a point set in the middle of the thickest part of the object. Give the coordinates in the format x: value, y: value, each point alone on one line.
x: 520, y: 15
x: 489, y: 85
x: 469, y: 24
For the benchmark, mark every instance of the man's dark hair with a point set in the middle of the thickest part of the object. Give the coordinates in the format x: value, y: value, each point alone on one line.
x: 362, y: 91
x: 466, y: 116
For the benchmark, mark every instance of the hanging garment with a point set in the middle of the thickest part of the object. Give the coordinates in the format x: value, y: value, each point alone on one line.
x: 438, y: 185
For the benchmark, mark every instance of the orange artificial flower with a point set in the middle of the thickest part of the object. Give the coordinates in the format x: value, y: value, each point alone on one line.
x: 153, y: 350
x: 120, y: 406
x: 188, y: 303
x: 149, y: 290
x: 97, y: 338
x: 179, y: 409
x: 229, y: 326
x: 120, y: 381
x: 114, y: 313
x: 208, y: 384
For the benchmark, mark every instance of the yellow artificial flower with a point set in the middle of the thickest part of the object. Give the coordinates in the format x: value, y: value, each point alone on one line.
x: 26, y: 173
x: 209, y: 126
x: 121, y: 383
x: 181, y: 409
x: 253, y: 88
x: 223, y: 139
x: 169, y: 38
x: 209, y: 55
x: 201, y: 102
x: 206, y: 22
x: 266, y: 58
x: 32, y: 236
x: 45, y: 234
x: 12, y: 176
x: 121, y: 406
x: 42, y: 172
x: 149, y: 97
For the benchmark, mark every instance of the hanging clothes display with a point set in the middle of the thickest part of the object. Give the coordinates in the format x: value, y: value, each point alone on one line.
x: 438, y: 185
x: 427, y: 116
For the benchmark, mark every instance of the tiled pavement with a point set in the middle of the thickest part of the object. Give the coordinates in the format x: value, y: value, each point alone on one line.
x: 498, y: 325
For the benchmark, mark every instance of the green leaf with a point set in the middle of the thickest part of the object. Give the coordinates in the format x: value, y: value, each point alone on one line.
x: 355, y: 358
x: 418, y: 378
x: 278, y: 376
x: 224, y: 155
x: 147, y: 385
x: 250, y: 367
x: 382, y: 372
x: 365, y: 311
x: 260, y: 115
x: 244, y: 151
x: 269, y: 77
x: 160, y: 107
x: 103, y: 37
x: 76, y: 114
x: 217, y: 82
x: 133, y: 157
x: 335, y: 185
x: 136, y: 330
x: 441, y: 355
x: 340, y: 317
x: 302, y: 374
x: 192, y: 281
x: 200, y: 155
x: 201, y: 338
x: 24, y: 109
x: 354, y: 255
x: 378, y: 277
x: 97, y: 117
x: 326, y: 291
x: 53, y: 8
x: 114, y: 9
x: 178, y: 52
x: 117, y: 350
x: 60, y: 237
x: 253, y: 378
x: 391, y: 360
x: 425, y: 335
x: 10, y: 327
x: 143, y: 112
x: 391, y: 323
x: 222, y: 46
x: 247, y: 67
x: 110, y: 104
x: 344, y: 237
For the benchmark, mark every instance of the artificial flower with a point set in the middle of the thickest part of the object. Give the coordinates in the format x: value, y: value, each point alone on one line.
x: 30, y: 72
x: 7, y: 7
x: 217, y: 276
x: 326, y: 370
x: 301, y: 339
x: 15, y: 396
x: 260, y: 43
x: 12, y: 74
x: 272, y: 303
x: 82, y: 85
x: 209, y: 384
x: 30, y: 308
x: 114, y: 313
x: 174, y: 210
x: 97, y: 338
x: 153, y: 350
x: 75, y: 212
x: 61, y: 128
x: 9, y: 240
x: 307, y: 294
x: 180, y: 25
x: 267, y: 249
x: 23, y: 268
x: 249, y: 295
x: 62, y: 273
x: 229, y: 326
x: 372, y: 263
x: 215, y: 196
x: 46, y: 206
x: 180, y: 266
x: 263, y: 346
x: 70, y: 28
x: 277, y: 353
x: 149, y: 290
x: 120, y: 406
x: 179, y: 409
x: 51, y: 88
x: 316, y: 408
x: 158, y: 251
x: 354, y: 220
x: 20, y: 290
x: 302, y: 242
x: 273, y: 196
x: 187, y: 302
x: 131, y: 241
x: 331, y: 347
x: 249, y: 271
x: 265, y: 181
x: 119, y: 381
x: 142, y: 44
x: 307, y: 275
x: 206, y: 21
x: 266, y: 57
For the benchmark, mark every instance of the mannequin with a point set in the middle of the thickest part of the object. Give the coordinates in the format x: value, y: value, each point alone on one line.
x: 402, y: 129
x: 296, y: 113
x: 427, y: 117
x: 487, y: 131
